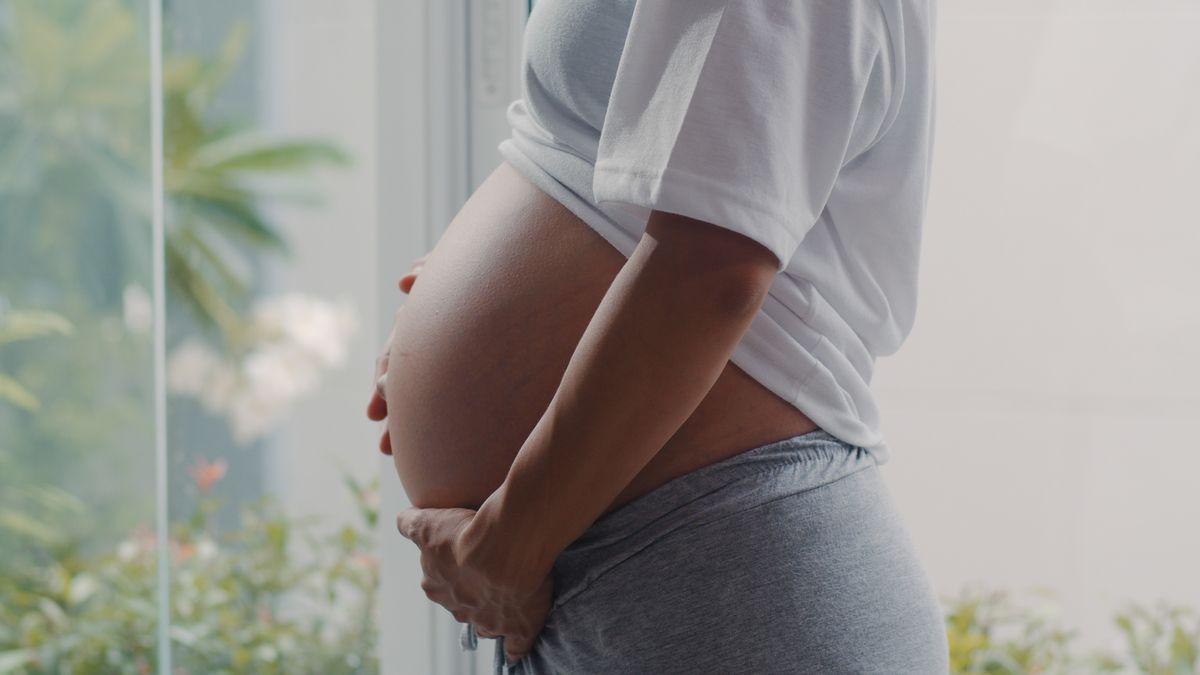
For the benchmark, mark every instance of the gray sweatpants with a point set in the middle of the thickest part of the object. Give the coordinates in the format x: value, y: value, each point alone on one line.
x: 787, y: 558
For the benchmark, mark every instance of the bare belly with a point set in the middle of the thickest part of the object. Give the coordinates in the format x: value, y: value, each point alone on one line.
x: 486, y: 334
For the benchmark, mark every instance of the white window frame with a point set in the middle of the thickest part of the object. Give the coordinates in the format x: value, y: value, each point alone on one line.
x: 446, y: 71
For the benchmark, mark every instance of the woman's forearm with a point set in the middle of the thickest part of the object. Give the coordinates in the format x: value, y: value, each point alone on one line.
x: 658, y: 341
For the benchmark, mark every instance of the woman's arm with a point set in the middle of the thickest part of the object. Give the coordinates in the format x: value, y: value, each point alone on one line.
x: 655, y: 346
x: 658, y: 341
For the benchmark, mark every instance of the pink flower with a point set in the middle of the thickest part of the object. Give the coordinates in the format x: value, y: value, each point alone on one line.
x: 206, y: 474
x: 182, y: 550
x: 366, y: 560
x: 140, y: 541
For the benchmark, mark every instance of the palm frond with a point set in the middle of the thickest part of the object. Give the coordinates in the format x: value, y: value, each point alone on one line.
x: 28, y: 324
x: 198, y: 293
x: 217, y: 264
x: 12, y: 392
x: 256, y: 153
x: 235, y: 218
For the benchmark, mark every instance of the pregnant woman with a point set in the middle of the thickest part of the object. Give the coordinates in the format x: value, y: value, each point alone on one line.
x: 628, y: 392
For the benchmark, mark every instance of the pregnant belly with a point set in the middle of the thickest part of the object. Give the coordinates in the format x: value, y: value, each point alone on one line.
x: 486, y: 334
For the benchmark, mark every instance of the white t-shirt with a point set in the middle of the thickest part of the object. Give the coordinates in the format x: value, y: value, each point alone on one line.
x: 805, y: 125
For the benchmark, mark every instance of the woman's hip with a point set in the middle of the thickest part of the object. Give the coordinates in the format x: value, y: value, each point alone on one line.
x: 786, y: 558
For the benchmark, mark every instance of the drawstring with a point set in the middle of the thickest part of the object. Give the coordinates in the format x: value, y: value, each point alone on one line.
x: 468, y: 640
x: 500, y: 662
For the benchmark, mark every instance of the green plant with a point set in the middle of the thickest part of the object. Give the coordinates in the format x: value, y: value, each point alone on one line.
x: 994, y: 632
x: 27, y: 509
x: 275, y: 595
x: 1007, y: 633
x: 75, y: 159
x: 1160, y: 640
x: 215, y: 183
x: 75, y: 205
x: 26, y: 325
x: 75, y: 201
x: 74, y: 151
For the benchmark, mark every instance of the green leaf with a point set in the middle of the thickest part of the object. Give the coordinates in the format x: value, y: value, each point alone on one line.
x: 250, y: 152
x: 107, y: 28
x: 197, y: 292
x: 1183, y: 650
x: 39, y: 41
x: 13, y: 660
x: 21, y: 523
x: 12, y: 392
x: 216, y: 262
x: 235, y: 218
x: 180, y: 71
x: 55, y: 498
x: 228, y: 57
x: 28, y: 324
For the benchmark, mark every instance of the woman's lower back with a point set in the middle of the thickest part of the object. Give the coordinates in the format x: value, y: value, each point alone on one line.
x: 487, y: 332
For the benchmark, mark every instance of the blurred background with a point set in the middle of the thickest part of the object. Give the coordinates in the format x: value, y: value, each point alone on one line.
x: 1042, y: 415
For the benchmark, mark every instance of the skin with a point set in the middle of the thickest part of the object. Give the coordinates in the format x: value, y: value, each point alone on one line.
x: 592, y: 381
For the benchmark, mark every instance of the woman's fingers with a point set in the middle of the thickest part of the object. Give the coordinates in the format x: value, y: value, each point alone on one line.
x: 527, y: 623
x: 381, y: 383
x: 472, y: 594
x: 516, y: 647
x: 407, y: 281
x: 376, y: 407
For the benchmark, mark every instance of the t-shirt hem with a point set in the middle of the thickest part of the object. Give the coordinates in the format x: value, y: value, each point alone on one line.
x: 747, y: 353
x: 695, y: 196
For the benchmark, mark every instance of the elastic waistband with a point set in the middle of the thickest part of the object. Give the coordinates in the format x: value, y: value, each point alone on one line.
x: 746, y: 480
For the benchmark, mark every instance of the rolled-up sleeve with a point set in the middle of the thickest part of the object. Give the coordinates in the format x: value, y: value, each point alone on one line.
x: 742, y: 113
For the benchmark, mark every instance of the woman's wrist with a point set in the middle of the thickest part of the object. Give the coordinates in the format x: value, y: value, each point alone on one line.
x: 506, y: 546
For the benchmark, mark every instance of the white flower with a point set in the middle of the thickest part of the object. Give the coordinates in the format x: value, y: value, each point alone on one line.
x: 206, y: 549
x: 297, y: 336
x: 190, y: 367
x: 280, y: 371
x: 82, y: 587
x: 128, y: 550
x: 138, y: 309
x: 319, y: 328
x: 220, y: 387
x: 251, y: 415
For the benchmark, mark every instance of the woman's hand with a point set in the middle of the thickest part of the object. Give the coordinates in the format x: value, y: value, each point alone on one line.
x: 377, y: 407
x: 468, y: 574
x: 407, y: 281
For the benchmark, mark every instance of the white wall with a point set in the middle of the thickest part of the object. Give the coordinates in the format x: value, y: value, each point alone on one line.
x: 1043, y: 415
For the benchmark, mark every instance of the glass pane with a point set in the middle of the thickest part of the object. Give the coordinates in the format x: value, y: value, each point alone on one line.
x: 270, y: 268
x: 77, y: 460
